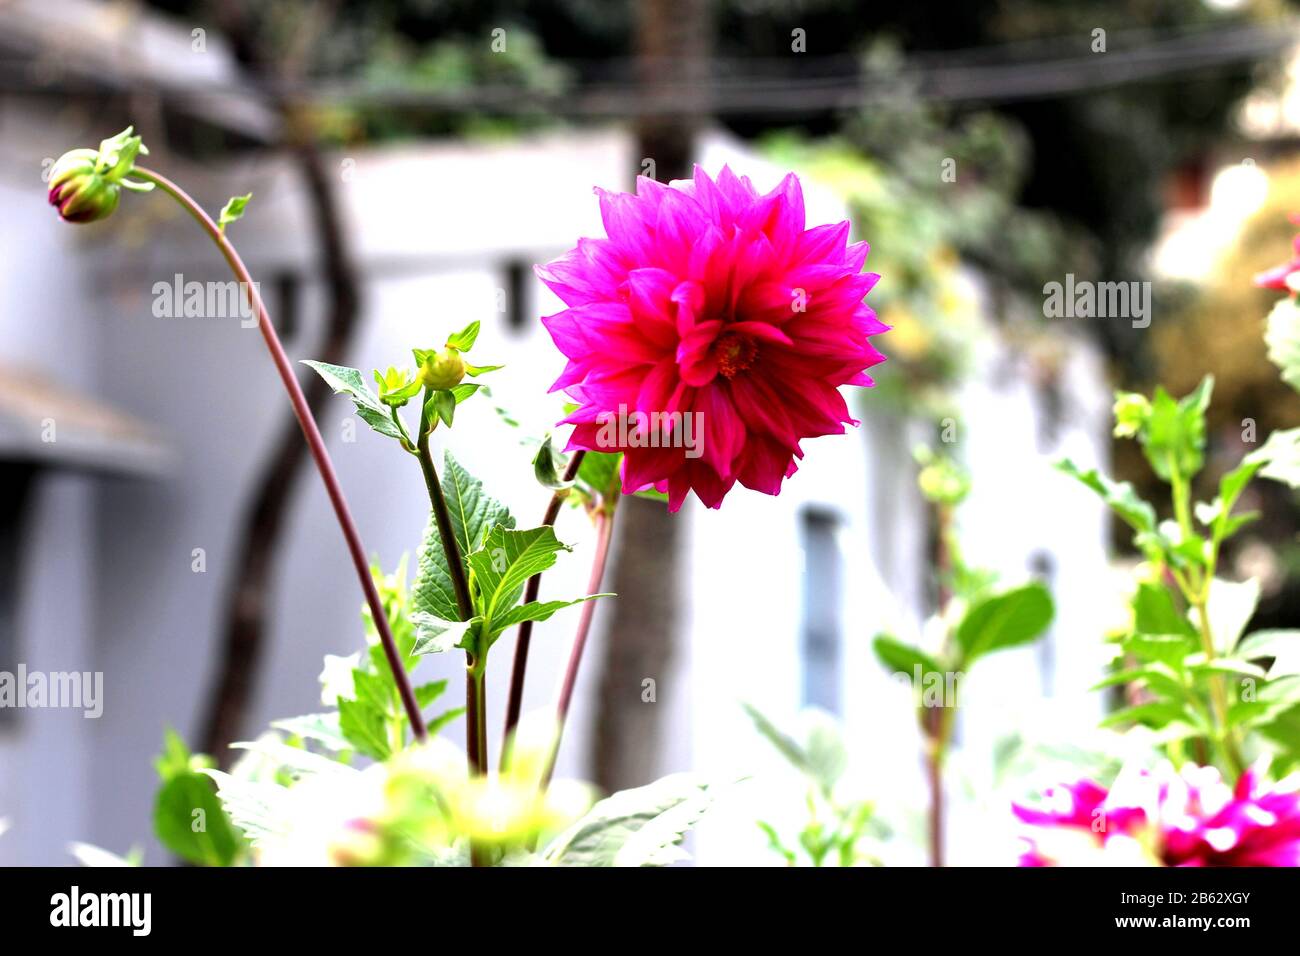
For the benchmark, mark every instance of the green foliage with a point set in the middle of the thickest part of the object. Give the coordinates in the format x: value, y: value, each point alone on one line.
x: 371, y: 717
x: 233, y: 210
x: 640, y: 827
x: 498, y: 560
x: 473, y: 514
x: 1009, y: 619
x: 1119, y: 496
x: 837, y: 830
x: 548, y: 466
x: 464, y: 339
x: 905, y: 659
x: 1193, y: 677
x: 1171, y: 432
x: 188, y: 817
x: 347, y: 381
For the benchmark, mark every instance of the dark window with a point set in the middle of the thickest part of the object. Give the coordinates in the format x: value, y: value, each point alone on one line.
x: 517, y: 275
x: 287, y: 304
x: 821, y: 636
x: 15, y: 485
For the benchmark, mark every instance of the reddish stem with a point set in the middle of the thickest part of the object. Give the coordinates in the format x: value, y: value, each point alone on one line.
x: 515, y: 703
x: 314, y: 442
x: 604, y: 518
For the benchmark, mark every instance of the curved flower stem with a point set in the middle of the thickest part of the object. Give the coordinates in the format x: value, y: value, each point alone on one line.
x: 519, y: 671
x: 604, y: 518
x: 315, y: 443
x: 475, y: 671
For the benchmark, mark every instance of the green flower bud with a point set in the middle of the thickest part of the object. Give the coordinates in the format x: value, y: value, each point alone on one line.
x: 86, y: 184
x: 396, y: 387
x: 1132, y: 412
x: 441, y: 370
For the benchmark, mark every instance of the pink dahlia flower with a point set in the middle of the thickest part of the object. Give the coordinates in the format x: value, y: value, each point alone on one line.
x: 710, y: 333
x: 1166, y: 818
x: 1276, y: 278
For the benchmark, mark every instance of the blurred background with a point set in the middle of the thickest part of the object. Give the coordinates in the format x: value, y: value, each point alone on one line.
x: 410, y: 160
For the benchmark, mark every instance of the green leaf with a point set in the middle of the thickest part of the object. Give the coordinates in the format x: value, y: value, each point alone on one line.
x: 444, y: 405
x: 365, y: 728
x: 1173, y: 436
x: 1225, y: 665
x: 548, y: 466
x: 1279, y: 458
x: 464, y: 391
x: 175, y: 758
x: 1161, y: 678
x: 504, y: 564
x: 599, y: 472
x: 189, y: 820
x: 1282, y: 336
x: 473, y: 513
x: 233, y: 210
x: 1005, y: 620
x: 1167, y: 649
x: 538, y: 611
x: 1119, y: 496
x: 1155, y: 714
x: 1281, y: 645
x: 347, y: 381
x: 426, y: 694
x: 822, y: 758
x: 435, y: 635
x: 786, y: 745
x: 640, y: 827
x: 1154, y: 612
x: 476, y: 370
x: 464, y: 339
x: 321, y: 728
x: 1231, y: 485
x: 904, y: 658
x: 443, y: 719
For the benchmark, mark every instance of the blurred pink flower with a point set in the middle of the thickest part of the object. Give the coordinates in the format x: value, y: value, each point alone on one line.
x: 1187, y: 818
x: 1276, y: 277
x: 715, y: 307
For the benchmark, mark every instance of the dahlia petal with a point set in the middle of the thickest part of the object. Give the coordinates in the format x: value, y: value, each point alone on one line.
x: 683, y: 265
x: 695, y: 354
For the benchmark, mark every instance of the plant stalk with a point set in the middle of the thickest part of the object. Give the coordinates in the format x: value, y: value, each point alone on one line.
x: 518, y: 673
x: 315, y: 443
x: 604, y: 518
x: 475, y: 746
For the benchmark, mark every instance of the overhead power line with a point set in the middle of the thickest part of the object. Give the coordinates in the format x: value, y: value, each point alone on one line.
x: 767, y: 86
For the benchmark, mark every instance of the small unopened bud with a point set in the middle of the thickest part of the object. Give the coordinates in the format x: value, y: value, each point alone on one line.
x: 396, y: 387
x: 442, y: 370
x: 86, y: 184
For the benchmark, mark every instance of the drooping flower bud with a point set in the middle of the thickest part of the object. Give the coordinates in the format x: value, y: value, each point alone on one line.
x: 441, y: 370
x: 86, y: 184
